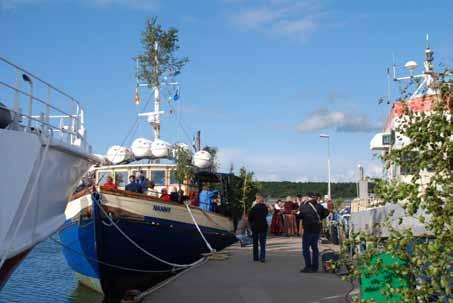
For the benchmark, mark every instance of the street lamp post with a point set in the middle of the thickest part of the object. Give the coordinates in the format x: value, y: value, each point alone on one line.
x: 325, y: 136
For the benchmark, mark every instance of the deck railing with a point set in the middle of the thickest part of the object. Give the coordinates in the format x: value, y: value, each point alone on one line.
x: 42, y: 108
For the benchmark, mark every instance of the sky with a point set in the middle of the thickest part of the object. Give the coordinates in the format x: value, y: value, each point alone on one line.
x: 265, y: 78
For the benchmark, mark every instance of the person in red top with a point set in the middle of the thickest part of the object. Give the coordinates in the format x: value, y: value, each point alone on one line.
x: 109, y: 185
x: 289, y: 217
x: 193, y: 197
x: 164, y: 195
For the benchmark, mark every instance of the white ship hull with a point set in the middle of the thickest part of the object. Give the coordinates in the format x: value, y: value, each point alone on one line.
x: 35, y: 183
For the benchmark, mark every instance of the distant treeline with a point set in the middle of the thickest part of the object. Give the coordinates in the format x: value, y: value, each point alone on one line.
x: 285, y: 188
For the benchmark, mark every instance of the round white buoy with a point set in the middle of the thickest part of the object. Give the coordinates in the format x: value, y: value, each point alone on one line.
x: 118, y: 154
x: 141, y: 147
x: 202, y: 159
x: 160, y: 148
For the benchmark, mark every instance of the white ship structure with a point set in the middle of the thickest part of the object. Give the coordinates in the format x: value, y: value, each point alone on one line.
x: 44, y: 153
x: 365, y: 211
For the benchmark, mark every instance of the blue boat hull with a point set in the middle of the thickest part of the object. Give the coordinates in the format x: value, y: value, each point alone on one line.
x: 97, y: 251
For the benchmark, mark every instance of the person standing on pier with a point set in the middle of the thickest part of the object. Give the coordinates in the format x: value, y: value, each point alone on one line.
x: 258, y: 223
x: 311, y: 213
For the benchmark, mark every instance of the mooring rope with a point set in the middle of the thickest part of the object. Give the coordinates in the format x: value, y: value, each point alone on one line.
x: 212, y: 250
x: 141, y: 248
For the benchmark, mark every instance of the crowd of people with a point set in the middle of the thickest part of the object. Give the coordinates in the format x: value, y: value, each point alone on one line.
x: 301, y: 217
x: 286, y: 220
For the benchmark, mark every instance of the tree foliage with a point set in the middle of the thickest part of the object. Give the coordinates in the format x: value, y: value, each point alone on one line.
x: 184, y: 171
x: 281, y: 189
x: 242, y: 191
x: 425, y: 261
x: 166, y: 63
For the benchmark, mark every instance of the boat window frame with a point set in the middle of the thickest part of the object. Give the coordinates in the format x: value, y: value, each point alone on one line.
x: 151, y: 171
x: 126, y: 180
x: 104, y: 179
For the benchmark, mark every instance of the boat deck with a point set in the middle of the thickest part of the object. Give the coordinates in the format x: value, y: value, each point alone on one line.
x: 239, y: 279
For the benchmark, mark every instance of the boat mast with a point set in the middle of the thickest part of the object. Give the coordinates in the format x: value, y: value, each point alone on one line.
x: 156, y: 124
x: 154, y: 116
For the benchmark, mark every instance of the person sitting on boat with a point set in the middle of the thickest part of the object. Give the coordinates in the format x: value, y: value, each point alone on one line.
x: 174, y: 195
x: 141, y: 181
x: 164, y: 195
x: 133, y: 186
x: 109, y: 185
x: 184, y: 197
x: 205, y: 198
x: 151, y: 191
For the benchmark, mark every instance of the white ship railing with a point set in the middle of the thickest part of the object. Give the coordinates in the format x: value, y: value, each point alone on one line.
x: 42, y: 108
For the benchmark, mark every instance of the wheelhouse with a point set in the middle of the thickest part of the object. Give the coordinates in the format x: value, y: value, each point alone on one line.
x: 162, y: 174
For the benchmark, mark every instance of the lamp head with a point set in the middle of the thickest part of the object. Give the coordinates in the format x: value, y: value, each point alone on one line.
x: 26, y: 78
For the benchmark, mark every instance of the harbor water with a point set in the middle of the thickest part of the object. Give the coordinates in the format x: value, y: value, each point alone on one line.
x: 45, y: 277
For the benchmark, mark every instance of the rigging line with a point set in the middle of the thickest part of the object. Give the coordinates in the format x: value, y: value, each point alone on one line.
x: 109, y: 264
x: 131, y: 129
x: 180, y: 124
x: 178, y: 118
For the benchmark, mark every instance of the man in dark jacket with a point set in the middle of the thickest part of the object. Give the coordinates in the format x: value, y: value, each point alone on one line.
x: 133, y: 186
x: 258, y: 224
x: 311, y: 213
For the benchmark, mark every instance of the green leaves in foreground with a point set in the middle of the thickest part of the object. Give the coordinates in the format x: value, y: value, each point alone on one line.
x: 424, y: 262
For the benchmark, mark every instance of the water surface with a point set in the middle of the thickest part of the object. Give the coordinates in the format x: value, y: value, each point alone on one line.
x: 45, y: 277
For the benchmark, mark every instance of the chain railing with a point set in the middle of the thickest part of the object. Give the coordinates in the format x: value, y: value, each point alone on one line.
x: 45, y: 110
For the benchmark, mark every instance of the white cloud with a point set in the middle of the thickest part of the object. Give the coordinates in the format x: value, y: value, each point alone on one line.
x: 341, y: 121
x: 294, y: 27
x: 285, y: 18
x: 13, y: 4
x: 135, y: 4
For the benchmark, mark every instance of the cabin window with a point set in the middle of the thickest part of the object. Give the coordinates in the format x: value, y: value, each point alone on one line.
x: 102, y: 177
x: 173, y: 177
x: 143, y: 172
x: 158, y: 177
x: 407, y: 167
x: 121, y: 178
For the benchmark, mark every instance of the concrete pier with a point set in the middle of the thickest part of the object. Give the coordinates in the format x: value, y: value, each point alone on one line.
x: 239, y: 279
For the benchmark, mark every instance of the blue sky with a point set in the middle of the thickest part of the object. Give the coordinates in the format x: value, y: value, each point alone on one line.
x: 265, y: 77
